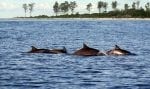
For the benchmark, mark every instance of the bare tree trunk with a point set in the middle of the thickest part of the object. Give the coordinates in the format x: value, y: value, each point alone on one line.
x: 30, y: 14
x: 25, y: 14
x: 99, y: 10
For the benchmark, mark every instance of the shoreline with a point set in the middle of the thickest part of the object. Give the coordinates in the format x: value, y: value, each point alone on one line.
x: 70, y: 19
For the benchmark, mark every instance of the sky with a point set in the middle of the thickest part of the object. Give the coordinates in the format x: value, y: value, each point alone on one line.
x: 13, y: 8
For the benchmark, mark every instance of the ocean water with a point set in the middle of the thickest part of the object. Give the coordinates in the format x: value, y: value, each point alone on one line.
x: 21, y: 70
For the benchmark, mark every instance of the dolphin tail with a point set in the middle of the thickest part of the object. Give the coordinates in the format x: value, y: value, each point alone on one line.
x: 133, y: 54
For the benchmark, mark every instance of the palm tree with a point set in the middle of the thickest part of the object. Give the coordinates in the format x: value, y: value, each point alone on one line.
x: 114, y: 5
x: 89, y: 7
x: 31, y: 6
x: 64, y: 7
x: 105, y: 5
x: 56, y: 8
x: 25, y: 7
x: 138, y: 4
x: 126, y: 7
x: 61, y: 7
x: 72, y: 6
x: 100, y: 5
x: 147, y: 6
x: 134, y: 5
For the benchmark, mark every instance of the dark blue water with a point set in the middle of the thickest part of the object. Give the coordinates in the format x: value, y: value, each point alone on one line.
x: 20, y: 70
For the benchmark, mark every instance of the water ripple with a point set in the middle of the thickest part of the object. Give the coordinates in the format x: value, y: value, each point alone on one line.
x: 21, y: 70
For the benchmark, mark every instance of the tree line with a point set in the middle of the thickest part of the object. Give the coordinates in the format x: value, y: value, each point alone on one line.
x: 66, y: 7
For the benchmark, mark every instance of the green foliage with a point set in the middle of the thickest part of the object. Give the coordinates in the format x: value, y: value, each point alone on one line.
x: 133, y: 5
x: 56, y: 8
x: 147, y: 6
x: 129, y: 13
x: 114, y: 5
x: 137, y: 4
x: 65, y: 7
x: 25, y: 7
x: 31, y: 6
x: 72, y: 6
x: 100, y: 5
x: 41, y: 16
x: 88, y: 7
x: 126, y: 7
x: 105, y: 6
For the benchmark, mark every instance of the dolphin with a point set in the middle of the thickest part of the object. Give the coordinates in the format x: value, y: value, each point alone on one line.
x: 118, y: 51
x: 36, y: 50
x: 87, y: 51
x: 52, y: 51
x: 57, y: 51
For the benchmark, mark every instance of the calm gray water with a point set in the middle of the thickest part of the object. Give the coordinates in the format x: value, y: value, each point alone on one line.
x: 20, y: 70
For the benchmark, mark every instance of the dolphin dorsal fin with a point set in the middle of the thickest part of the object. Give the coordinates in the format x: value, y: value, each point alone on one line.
x: 33, y: 48
x: 64, y: 49
x: 85, y: 46
x: 117, y: 47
